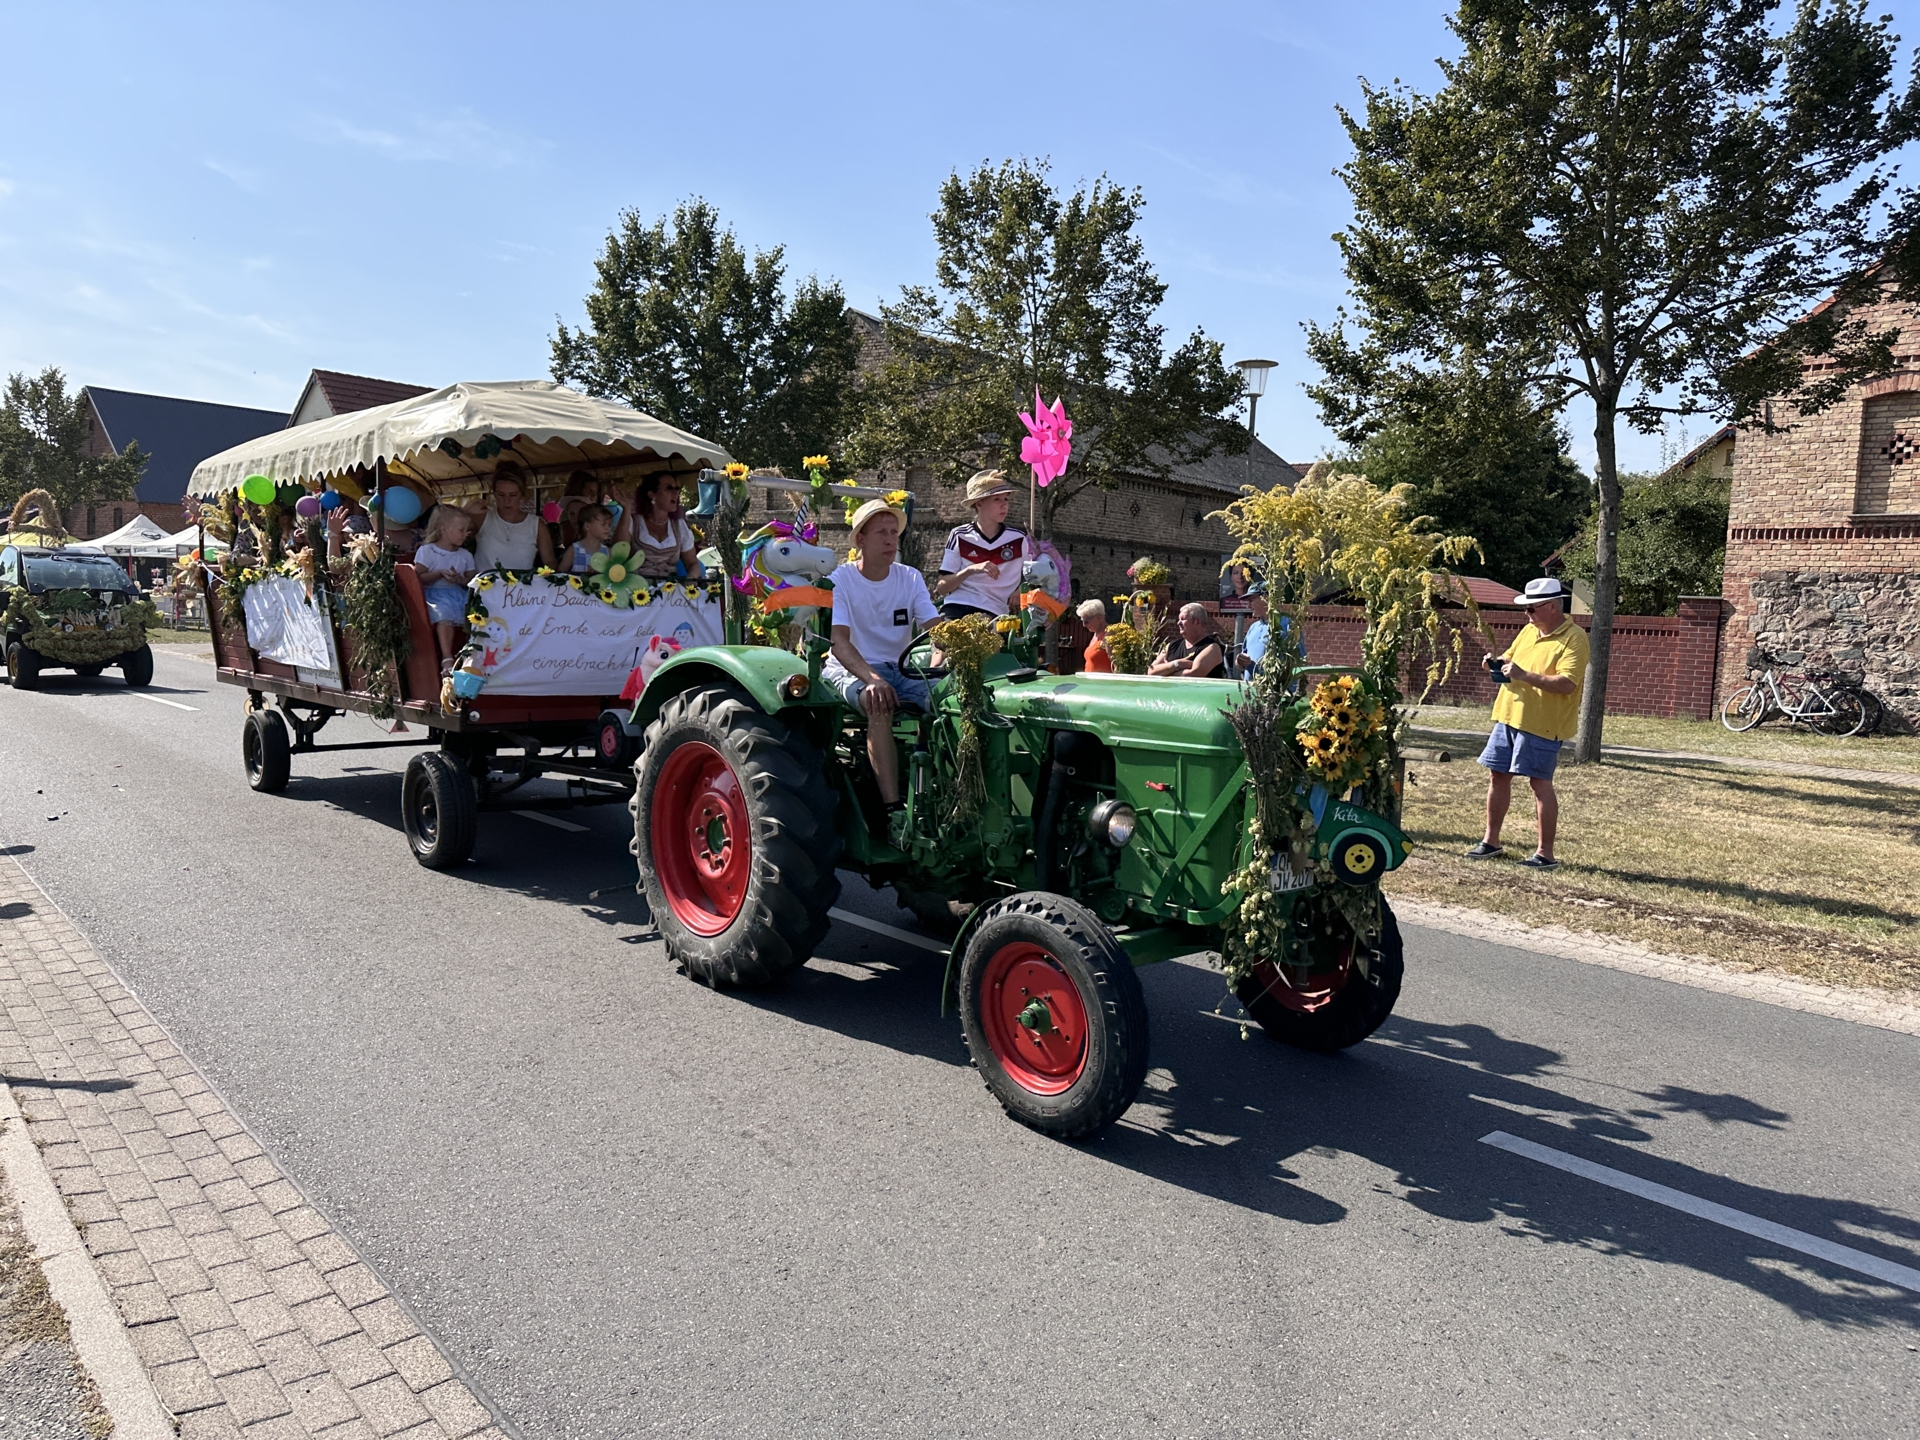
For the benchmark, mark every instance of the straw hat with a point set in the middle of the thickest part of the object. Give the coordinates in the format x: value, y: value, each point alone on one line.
x: 985, y: 484
x: 872, y: 508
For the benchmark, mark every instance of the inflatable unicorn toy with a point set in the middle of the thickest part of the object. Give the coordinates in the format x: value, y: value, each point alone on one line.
x: 784, y: 568
x: 1042, y: 592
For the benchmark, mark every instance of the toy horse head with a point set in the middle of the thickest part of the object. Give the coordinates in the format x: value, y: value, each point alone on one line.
x: 1040, y: 573
x: 781, y: 558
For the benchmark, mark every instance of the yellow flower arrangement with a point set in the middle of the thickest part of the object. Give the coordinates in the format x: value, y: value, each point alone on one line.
x: 485, y: 582
x: 895, y: 497
x: 1007, y: 624
x: 816, y: 462
x: 573, y: 583
x: 737, y: 471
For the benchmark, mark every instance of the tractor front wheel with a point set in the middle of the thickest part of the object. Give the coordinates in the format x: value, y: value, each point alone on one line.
x: 733, y: 829
x: 1331, y: 1010
x: 1053, y: 1014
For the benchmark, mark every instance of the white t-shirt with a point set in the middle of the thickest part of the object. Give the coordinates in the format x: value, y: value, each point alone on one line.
x: 434, y: 557
x: 883, y: 615
x: 967, y: 546
x: 658, y: 555
x: 507, y: 547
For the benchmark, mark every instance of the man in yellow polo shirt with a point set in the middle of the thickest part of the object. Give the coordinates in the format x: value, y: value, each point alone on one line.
x: 1538, y: 709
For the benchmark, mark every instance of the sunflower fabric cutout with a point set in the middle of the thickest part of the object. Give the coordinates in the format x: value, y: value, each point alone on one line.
x: 616, y: 579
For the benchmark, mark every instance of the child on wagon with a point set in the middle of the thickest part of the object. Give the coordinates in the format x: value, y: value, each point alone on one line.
x: 596, y: 533
x: 444, y: 569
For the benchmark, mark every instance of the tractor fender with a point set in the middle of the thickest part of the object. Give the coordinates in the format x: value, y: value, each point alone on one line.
x: 760, y: 670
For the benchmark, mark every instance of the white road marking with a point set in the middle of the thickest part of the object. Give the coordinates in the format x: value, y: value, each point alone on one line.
x: 553, y: 820
x: 1844, y: 1256
x: 892, y: 932
x: 160, y: 701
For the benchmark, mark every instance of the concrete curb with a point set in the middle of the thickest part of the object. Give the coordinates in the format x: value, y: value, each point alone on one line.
x: 99, y: 1337
x: 1885, y: 1010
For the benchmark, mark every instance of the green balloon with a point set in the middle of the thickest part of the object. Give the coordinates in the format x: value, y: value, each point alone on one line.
x: 257, y: 490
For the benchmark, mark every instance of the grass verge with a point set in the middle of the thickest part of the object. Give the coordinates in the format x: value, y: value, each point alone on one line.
x: 1812, y: 876
x: 164, y: 636
x: 1773, y: 741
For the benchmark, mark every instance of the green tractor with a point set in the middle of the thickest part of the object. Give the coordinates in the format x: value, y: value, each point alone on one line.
x: 1116, y: 811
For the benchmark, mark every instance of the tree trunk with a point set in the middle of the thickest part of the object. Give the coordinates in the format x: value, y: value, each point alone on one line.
x: 1606, y: 583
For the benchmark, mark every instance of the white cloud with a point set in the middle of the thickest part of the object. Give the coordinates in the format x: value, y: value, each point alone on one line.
x: 458, y: 138
x: 6, y: 188
x: 1229, y: 187
x: 247, y: 180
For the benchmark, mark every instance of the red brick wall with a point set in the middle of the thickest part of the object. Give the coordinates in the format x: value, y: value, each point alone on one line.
x: 1663, y: 665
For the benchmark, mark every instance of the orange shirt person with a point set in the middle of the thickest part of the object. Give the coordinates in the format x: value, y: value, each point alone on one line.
x: 1093, y: 614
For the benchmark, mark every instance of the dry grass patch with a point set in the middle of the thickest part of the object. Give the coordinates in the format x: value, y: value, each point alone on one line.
x: 1758, y: 870
x: 1773, y: 741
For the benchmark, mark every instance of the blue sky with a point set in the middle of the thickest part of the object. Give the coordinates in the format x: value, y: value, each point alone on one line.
x: 209, y: 200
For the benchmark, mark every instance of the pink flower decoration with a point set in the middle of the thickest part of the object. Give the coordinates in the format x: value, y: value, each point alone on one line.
x: 550, y: 512
x: 1049, y: 443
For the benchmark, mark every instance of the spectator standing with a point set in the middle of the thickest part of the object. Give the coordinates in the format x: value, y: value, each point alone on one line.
x: 1537, y: 710
x: 1093, y: 615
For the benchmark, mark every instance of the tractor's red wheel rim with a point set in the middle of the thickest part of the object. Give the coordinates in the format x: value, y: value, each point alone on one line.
x: 1035, y: 1020
x: 701, y: 837
x: 1306, y: 993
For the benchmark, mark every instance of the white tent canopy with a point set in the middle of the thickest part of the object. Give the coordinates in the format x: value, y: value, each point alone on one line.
x: 169, y: 547
x: 546, y: 427
x: 136, y: 532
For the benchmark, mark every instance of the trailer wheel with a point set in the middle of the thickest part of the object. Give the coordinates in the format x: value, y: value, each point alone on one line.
x: 265, y: 752
x: 23, y: 667
x: 616, y: 748
x: 734, y: 834
x: 439, y: 810
x: 1332, y: 1010
x: 137, y: 666
x: 1053, y: 1014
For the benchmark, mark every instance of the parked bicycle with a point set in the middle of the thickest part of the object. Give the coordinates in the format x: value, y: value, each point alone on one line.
x: 1826, y: 703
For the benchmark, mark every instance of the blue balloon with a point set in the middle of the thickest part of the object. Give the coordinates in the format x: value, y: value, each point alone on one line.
x: 374, y: 505
x: 330, y: 499
x: 403, y: 506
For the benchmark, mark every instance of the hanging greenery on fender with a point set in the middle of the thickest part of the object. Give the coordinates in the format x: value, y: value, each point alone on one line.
x: 70, y: 627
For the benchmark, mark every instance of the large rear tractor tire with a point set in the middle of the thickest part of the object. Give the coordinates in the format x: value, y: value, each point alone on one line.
x: 733, y: 831
x: 265, y: 753
x: 1329, y: 1011
x: 1053, y: 1014
x: 23, y: 667
x: 439, y: 810
x: 137, y: 667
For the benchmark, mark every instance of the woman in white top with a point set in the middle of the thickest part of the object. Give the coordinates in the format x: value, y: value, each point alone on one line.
x: 662, y: 537
x: 511, y: 535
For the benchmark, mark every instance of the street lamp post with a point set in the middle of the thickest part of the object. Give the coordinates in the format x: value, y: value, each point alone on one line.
x: 1253, y: 383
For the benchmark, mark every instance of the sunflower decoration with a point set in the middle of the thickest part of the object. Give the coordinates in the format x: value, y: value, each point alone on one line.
x: 1007, y: 624
x: 616, y: 579
x: 737, y: 471
x: 485, y: 582
x: 895, y: 497
x: 1336, y: 732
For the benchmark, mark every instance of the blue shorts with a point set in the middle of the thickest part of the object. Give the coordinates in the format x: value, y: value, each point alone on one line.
x: 447, y: 604
x: 1518, y: 753
x: 912, y: 692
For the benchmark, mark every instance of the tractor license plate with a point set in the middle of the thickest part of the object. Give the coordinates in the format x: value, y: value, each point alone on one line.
x: 1288, y: 876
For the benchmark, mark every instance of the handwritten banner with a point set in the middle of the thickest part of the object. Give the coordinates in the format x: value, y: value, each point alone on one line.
x: 283, y: 625
x: 543, y: 639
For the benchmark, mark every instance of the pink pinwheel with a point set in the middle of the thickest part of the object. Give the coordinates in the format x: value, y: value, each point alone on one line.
x: 1049, y: 442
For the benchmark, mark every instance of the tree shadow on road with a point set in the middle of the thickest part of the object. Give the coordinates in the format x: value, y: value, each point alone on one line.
x: 1222, y: 1118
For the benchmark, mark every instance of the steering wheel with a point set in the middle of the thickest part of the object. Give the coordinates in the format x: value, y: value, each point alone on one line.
x: 917, y: 663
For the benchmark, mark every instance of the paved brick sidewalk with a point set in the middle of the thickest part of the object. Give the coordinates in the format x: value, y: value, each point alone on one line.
x: 252, y: 1317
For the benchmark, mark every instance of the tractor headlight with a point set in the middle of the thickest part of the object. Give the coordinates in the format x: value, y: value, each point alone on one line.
x: 795, y: 687
x: 1113, y: 821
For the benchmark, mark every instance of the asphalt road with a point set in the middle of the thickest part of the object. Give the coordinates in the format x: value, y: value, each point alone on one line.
x: 631, y: 1205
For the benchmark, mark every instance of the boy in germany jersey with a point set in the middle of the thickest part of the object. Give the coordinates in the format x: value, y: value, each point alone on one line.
x: 980, y: 571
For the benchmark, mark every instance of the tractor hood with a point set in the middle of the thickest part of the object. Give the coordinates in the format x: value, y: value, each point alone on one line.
x: 1128, y: 710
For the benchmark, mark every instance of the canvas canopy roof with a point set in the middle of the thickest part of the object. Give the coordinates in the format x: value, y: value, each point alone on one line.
x: 545, y: 426
x: 138, y: 531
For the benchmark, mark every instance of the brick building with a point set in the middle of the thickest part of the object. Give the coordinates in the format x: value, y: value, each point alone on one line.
x: 176, y: 434
x: 1823, y: 536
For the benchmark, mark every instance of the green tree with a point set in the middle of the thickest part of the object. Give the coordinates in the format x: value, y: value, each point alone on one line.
x: 1630, y: 201
x: 683, y: 325
x: 43, y: 446
x: 1034, y: 288
x: 1673, y: 540
x: 1484, y: 461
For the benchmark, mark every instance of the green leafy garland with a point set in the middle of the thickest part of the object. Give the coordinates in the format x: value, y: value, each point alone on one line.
x: 370, y: 609
x: 118, y: 629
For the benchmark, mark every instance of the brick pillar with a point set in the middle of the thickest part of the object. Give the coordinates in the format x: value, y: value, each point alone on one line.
x: 1696, y: 661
